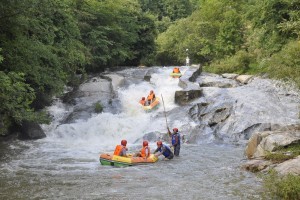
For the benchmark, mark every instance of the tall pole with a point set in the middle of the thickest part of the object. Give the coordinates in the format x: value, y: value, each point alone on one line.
x: 165, y: 111
x: 187, y: 60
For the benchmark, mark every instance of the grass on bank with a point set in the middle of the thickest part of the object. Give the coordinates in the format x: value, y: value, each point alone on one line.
x: 281, y: 187
x: 284, y: 65
x: 278, y: 186
x: 284, y: 153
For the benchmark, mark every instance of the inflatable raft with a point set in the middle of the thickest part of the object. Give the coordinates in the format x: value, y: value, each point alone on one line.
x: 176, y: 75
x: 154, y: 104
x: 120, y: 161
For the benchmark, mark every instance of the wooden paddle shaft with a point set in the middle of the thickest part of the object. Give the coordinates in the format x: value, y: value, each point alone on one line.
x: 165, y: 111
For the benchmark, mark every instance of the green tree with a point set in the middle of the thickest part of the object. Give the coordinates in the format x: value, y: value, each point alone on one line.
x: 110, y: 30
x: 16, y: 97
x: 41, y: 40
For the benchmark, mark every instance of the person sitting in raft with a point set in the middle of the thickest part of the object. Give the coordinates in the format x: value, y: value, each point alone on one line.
x: 164, y: 150
x: 176, y: 70
x: 145, y: 151
x: 143, y: 101
x: 175, y: 136
x: 121, y: 149
x: 151, y: 97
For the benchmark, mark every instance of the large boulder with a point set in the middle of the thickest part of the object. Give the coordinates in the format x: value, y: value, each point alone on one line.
x: 256, y: 165
x: 31, y: 131
x: 244, y: 79
x: 229, y: 76
x: 214, y: 80
x: 185, y: 96
x: 289, y: 167
x: 191, y: 90
x: 268, y: 141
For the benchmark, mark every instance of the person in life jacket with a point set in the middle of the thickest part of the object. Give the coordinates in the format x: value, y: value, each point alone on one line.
x: 175, y: 136
x: 145, y: 151
x: 164, y: 150
x: 143, y: 101
x: 151, y: 97
x: 121, y: 149
x: 176, y: 70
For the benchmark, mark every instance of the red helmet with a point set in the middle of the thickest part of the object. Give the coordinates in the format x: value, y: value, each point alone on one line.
x: 124, y: 142
x: 159, y: 143
x: 175, y: 130
x: 145, y: 143
x: 151, y: 91
x: 143, y: 98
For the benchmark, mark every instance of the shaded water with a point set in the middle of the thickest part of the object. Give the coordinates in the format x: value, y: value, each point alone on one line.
x: 65, y: 165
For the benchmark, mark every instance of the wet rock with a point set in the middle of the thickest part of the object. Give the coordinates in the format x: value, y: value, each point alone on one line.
x: 218, y: 84
x: 230, y: 76
x: 152, y: 137
x: 195, y: 110
x: 31, y: 131
x: 268, y: 141
x: 244, y: 79
x: 187, y: 80
x: 257, y: 128
x: 185, y: 96
x: 116, y: 80
x: 256, y: 165
x: 147, y: 76
x: 191, y: 90
x: 200, y: 133
x: 98, y: 89
x: 289, y: 167
x: 211, y: 114
x: 213, y: 80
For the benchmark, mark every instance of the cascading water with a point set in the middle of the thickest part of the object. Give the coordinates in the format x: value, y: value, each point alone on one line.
x: 65, y: 165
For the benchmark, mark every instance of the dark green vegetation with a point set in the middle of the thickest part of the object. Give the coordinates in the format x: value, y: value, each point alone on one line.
x: 284, y: 153
x: 47, y: 44
x: 98, y: 108
x: 281, y: 187
x: 246, y: 36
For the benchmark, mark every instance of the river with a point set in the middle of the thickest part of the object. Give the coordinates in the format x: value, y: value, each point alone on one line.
x: 65, y: 164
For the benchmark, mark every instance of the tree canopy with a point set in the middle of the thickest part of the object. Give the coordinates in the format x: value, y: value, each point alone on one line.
x: 45, y: 44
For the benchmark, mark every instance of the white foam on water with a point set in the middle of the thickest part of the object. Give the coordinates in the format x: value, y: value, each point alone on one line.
x: 103, y: 131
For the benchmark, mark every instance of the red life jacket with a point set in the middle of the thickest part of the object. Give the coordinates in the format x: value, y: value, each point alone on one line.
x: 118, y: 150
x: 150, y: 97
x: 143, y: 152
x: 176, y: 70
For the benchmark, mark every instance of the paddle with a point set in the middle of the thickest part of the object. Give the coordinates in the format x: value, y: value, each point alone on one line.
x: 165, y: 111
x: 172, y: 148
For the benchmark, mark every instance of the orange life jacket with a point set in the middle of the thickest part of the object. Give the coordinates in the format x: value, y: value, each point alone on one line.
x: 143, y: 152
x: 118, y: 149
x: 176, y: 70
x: 150, y: 97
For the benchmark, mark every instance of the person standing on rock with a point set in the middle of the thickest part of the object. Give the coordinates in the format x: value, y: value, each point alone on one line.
x: 175, y: 136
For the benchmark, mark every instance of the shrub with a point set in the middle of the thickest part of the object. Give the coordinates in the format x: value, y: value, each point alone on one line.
x: 98, y: 107
x: 281, y: 187
x: 239, y: 63
x: 285, y: 64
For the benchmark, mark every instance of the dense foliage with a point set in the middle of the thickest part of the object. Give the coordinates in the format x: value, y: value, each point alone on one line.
x: 248, y: 36
x: 45, y: 44
x: 281, y: 187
